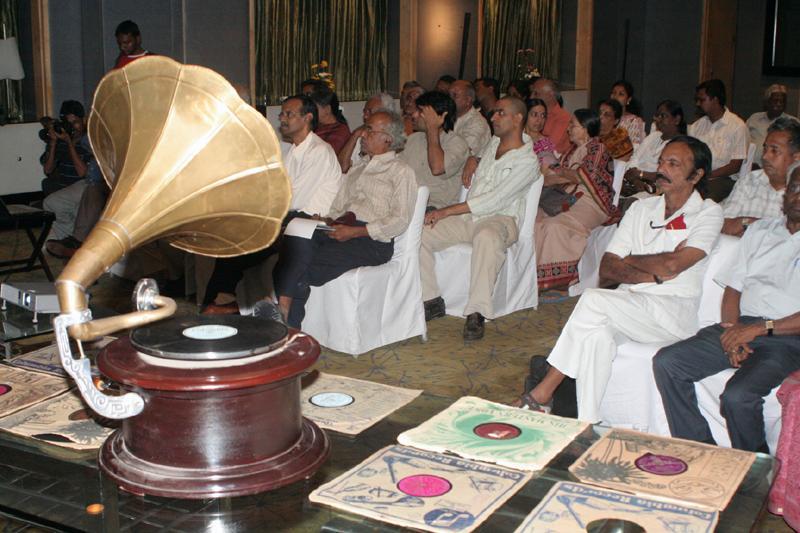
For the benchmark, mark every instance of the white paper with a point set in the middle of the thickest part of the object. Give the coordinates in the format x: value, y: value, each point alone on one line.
x: 304, y: 227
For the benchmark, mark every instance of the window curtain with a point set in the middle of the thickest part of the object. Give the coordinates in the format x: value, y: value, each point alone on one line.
x: 292, y: 35
x: 10, y: 90
x: 512, y: 25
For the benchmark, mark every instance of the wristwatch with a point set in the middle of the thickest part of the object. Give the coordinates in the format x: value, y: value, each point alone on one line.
x: 770, y: 325
x: 658, y: 280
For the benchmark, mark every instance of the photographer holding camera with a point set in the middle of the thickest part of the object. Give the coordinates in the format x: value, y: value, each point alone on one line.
x: 66, y: 158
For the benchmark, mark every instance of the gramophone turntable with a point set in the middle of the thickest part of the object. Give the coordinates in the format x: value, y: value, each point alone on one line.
x: 209, y: 406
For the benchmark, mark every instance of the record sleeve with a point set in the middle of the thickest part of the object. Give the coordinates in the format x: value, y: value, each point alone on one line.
x: 486, y: 431
x: 675, y: 470
x: 422, y: 490
x: 22, y: 388
x: 570, y: 507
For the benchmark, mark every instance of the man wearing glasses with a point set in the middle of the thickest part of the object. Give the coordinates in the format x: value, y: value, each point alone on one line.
x: 758, y: 334
x: 658, y: 256
x: 315, y: 175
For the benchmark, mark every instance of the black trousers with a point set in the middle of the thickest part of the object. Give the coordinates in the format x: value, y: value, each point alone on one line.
x: 228, y: 271
x: 678, y: 367
x: 306, y: 263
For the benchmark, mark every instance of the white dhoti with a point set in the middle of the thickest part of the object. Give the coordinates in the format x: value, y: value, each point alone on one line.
x: 604, y: 318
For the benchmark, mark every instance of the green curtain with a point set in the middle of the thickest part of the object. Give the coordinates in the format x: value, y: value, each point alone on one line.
x: 511, y: 25
x: 10, y: 90
x: 291, y: 35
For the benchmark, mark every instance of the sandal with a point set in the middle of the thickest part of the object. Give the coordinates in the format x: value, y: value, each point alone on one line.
x: 528, y: 403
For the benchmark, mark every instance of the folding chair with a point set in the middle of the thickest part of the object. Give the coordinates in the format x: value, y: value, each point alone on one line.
x: 23, y: 217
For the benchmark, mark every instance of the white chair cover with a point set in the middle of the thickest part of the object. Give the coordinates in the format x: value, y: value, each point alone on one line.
x: 516, y: 286
x: 619, y: 174
x: 632, y: 400
x: 589, y: 264
x: 747, y: 164
x: 369, y: 307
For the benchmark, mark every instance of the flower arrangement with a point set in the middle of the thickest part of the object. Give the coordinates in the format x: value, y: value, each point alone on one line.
x: 525, y: 68
x: 319, y: 72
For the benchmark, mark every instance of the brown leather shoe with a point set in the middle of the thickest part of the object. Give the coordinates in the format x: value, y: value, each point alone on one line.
x: 63, y: 248
x: 231, y: 308
x: 473, y: 328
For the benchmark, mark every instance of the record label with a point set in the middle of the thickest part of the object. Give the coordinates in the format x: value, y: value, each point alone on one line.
x: 497, y: 431
x: 424, y: 485
x: 661, y: 465
x: 210, y: 332
x: 4, y: 389
x: 331, y: 399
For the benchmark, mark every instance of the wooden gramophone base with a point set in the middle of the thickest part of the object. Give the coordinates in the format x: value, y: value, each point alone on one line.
x: 211, y: 432
x: 142, y: 477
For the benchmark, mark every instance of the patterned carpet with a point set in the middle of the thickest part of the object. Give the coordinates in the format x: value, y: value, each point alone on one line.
x: 492, y: 368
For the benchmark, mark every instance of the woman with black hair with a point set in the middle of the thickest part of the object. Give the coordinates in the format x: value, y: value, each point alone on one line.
x: 615, y: 138
x: 641, y: 173
x: 332, y: 126
x: 586, y: 172
x: 622, y: 92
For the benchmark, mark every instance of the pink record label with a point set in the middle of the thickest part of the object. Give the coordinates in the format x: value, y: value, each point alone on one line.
x: 661, y: 465
x: 497, y: 431
x: 4, y: 388
x: 424, y: 485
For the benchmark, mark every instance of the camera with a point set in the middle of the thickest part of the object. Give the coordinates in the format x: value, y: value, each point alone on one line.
x: 58, y: 126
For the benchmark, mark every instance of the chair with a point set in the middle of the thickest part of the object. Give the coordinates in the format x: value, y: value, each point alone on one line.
x: 516, y: 286
x: 369, y: 307
x: 619, y: 175
x: 23, y: 217
x: 632, y: 399
x: 747, y: 164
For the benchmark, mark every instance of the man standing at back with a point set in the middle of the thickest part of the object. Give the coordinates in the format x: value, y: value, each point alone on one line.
x: 489, y: 219
x: 557, y: 117
x: 129, y: 40
x: 470, y: 124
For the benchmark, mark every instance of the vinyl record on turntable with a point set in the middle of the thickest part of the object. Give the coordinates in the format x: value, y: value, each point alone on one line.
x: 209, y: 338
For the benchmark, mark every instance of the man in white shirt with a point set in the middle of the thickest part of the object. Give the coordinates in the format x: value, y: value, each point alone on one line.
x: 758, y: 123
x: 470, y: 124
x: 760, y: 193
x: 315, y: 176
x: 374, y: 205
x: 434, y: 151
x: 353, y: 153
x: 758, y: 334
x: 724, y: 133
x: 659, y: 255
x: 489, y: 219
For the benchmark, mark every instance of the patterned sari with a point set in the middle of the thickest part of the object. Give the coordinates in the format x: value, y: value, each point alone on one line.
x: 560, y: 240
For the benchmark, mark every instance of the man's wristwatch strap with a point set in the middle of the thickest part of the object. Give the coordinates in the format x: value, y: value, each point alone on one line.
x: 658, y: 280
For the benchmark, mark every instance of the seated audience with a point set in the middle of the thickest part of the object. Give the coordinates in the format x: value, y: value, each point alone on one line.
x: 434, y: 151
x: 352, y: 153
x: 68, y: 152
x: 758, y: 334
x: 487, y: 91
x: 758, y: 123
x: 378, y: 197
x: 614, y: 138
x: 643, y: 164
x: 586, y: 171
x: 542, y: 145
x: 760, y: 193
x: 315, y: 177
x: 622, y: 92
x: 489, y: 219
x: 519, y: 89
x: 129, y: 40
x: 724, y: 133
x: 408, y: 96
x: 658, y: 256
x: 470, y: 124
x: 557, y: 118
x: 332, y: 126
x: 312, y: 84
x: 443, y: 83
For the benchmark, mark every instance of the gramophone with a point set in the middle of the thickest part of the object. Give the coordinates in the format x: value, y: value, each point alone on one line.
x: 209, y: 406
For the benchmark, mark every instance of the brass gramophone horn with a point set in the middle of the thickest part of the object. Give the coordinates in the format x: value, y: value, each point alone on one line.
x: 188, y: 161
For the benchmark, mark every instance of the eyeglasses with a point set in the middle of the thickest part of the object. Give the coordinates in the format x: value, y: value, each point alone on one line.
x: 289, y: 114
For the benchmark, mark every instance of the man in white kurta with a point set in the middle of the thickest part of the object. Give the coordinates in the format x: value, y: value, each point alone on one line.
x: 489, y: 219
x: 659, y: 256
x: 470, y: 124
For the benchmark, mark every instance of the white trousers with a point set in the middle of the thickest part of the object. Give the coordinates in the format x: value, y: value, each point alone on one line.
x: 64, y: 203
x: 490, y: 238
x: 604, y: 318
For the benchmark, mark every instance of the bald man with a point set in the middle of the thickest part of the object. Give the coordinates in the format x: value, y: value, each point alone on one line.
x: 470, y: 124
x: 489, y: 219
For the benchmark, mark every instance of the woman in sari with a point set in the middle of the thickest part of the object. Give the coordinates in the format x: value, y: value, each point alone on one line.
x: 587, y: 172
x: 543, y: 147
x: 614, y: 138
x: 622, y: 92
